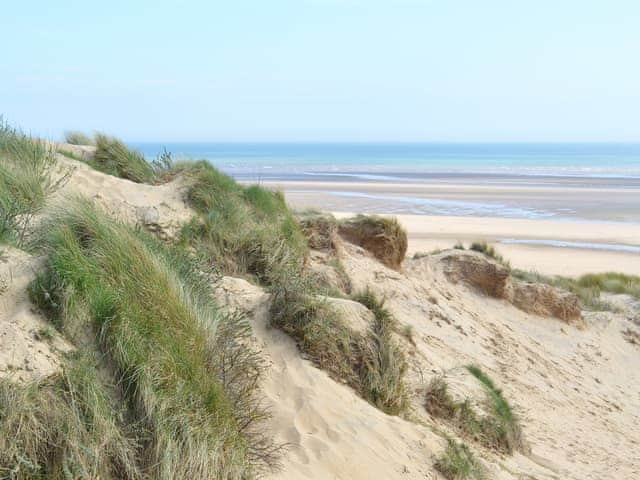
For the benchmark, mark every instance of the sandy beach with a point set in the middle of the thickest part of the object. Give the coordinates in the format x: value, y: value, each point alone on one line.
x: 571, y: 230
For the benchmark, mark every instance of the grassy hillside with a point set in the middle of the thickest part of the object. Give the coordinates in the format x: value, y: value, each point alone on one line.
x: 182, y: 367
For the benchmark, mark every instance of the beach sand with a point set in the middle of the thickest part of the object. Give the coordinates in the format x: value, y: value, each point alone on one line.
x: 603, y: 218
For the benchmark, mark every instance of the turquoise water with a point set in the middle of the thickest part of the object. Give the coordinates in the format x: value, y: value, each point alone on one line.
x: 409, y: 162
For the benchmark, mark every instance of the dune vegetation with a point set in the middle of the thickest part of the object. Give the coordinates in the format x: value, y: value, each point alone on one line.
x: 458, y: 463
x: 589, y: 287
x: 182, y: 367
x: 27, y: 177
x: 499, y: 429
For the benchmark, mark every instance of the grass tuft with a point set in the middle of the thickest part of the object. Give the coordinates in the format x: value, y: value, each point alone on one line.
x: 499, y: 429
x: 66, y: 426
x: 26, y: 179
x: 384, y: 364
x: 113, y: 157
x: 243, y: 231
x: 458, y: 463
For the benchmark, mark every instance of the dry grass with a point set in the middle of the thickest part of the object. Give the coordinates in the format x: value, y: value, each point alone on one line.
x: 321, y: 229
x: 383, y: 237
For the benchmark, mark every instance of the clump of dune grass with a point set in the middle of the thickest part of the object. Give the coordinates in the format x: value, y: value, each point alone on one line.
x: 458, y: 463
x: 503, y: 428
x: 184, y: 369
x: 243, y: 230
x: 486, y: 249
x: 317, y: 329
x: 75, y: 137
x: 27, y: 177
x: 383, y: 361
x: 113, y: 157
x: 384, y: 237
x: 66, y: 426
x: 499, y: 429
x: 371, y: 363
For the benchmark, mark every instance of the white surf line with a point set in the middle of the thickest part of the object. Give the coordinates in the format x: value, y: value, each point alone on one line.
x: 567, y: 244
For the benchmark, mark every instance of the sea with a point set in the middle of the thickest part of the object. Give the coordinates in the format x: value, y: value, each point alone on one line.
x: 411, y: 162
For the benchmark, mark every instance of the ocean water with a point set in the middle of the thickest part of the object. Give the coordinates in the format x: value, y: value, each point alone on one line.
x: 410, y: 162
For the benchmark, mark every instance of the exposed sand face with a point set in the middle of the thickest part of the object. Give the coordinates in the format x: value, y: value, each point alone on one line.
x: 160, y: 208
x: 25, y: 352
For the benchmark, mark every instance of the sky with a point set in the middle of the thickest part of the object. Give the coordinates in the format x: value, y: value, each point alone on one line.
x: 324, y: 70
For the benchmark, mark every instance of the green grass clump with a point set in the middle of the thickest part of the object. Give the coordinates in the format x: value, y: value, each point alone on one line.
x: 26, y: 179
x: 184, y: 369
x: 77, y: 138
x: 242, y: 230
x: 317, y: 329
x: 458, y: 463
x: 499, y: 429
x: 502, y: 427
x: 384, y: 237
x: 383, y: 361
x: 113, y: 157
x: 486, y: 249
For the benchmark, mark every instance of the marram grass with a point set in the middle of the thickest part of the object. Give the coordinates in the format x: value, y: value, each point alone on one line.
x: 185, y: 369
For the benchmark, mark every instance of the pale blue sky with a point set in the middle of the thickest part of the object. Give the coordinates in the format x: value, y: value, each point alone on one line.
x: 395, y: 70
